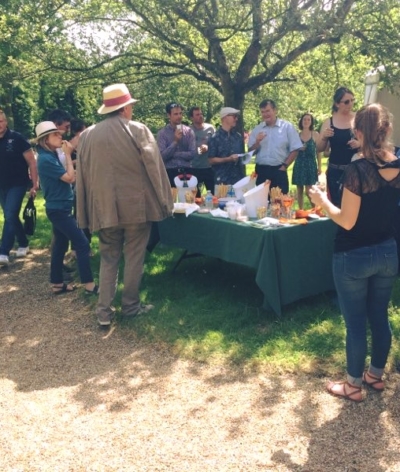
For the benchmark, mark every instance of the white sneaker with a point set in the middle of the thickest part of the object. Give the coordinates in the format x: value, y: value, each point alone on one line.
x: 4, y: 261
x: 22, y: 251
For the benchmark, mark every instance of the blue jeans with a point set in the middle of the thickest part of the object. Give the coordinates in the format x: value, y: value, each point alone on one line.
x: 364, y: 279
x: 65, y: 229
x: 11, y: 202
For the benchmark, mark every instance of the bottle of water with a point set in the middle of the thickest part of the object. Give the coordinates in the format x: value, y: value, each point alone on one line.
x: 231, y: 192
x: 208, y: 200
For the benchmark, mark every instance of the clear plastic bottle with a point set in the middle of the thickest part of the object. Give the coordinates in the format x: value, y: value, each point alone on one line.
x: 208, y: 200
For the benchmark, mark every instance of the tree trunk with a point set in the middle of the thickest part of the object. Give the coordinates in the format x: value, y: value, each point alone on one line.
x: 234, y: 97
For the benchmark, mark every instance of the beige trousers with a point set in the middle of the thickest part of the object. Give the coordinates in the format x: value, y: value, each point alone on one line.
x: 132, y: 241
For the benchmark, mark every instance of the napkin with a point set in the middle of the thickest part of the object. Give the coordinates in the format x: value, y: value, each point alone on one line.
x: 219, y: 213
x: 191, y: 208
x: 187, y: 208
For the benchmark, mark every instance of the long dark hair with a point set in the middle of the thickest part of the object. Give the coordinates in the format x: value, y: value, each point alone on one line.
x: 338, y: 95
x: 374, y: 121
x: 301, y: 121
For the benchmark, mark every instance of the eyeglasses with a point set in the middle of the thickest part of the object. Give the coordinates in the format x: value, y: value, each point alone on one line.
x: 346, y: 102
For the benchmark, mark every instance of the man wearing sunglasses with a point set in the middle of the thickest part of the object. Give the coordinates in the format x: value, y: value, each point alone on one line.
x: 177, y: 143
x: 276, y: 144
x: 224, y: 147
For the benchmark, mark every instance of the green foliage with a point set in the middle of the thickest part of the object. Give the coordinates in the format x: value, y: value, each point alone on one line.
x: 22, y: 107
x: 210, y: 52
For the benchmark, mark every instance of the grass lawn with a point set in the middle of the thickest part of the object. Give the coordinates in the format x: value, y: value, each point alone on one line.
x: 209, y: 310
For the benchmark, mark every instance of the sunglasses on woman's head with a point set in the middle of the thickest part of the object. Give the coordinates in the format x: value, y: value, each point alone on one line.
x: 346, y: 102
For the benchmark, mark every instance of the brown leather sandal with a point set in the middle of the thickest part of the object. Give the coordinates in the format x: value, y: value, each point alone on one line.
x: 374, y: 383
x: 345, y: 393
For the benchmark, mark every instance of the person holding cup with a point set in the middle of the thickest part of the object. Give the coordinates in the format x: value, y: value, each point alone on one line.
x: 224, y: 148
x: 177, y: 143
x: 201, y: 168
x: 56, y: 183
x: 276, y: 144
x: 365, y: 254
x: 336, y: 133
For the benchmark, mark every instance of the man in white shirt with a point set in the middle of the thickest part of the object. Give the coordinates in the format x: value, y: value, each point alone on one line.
x: 276, y: 144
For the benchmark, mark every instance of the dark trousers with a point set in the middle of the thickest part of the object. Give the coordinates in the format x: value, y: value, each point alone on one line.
x: 333, y: 181
x: 206, y: 176
x: 278, y: 178
x: 174, y: 172
x: 11, y: 202
x: 86, y: 231
x: 65, y: 229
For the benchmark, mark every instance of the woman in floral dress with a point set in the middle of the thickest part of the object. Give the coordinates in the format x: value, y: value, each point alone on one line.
x: 306, y: 169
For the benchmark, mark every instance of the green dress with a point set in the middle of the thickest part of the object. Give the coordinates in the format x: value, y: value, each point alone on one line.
x: 305, y: 170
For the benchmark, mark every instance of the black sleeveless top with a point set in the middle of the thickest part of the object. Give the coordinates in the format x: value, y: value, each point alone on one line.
x: 341, y: 152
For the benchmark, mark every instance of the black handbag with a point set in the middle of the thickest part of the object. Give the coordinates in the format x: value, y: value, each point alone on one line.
x: 29, y: 217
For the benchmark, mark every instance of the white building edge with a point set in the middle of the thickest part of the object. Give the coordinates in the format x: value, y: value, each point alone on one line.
x: 373, y: 94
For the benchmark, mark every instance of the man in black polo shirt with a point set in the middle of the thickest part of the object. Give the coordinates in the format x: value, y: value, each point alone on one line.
x: 16, y: 158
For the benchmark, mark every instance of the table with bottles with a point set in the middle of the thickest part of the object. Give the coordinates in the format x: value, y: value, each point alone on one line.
x: 290, y: 262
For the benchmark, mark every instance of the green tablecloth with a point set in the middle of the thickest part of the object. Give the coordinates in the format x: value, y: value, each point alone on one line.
x: 291, y: 262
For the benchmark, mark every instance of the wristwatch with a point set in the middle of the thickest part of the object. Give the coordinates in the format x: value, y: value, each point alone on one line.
x: 285, y: 165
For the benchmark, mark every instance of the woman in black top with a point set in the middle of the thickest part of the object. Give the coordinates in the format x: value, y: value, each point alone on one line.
x: 365, y: 253
x: 342, y: 142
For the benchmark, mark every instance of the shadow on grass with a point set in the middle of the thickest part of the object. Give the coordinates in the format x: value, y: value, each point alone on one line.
x: 209, y: 310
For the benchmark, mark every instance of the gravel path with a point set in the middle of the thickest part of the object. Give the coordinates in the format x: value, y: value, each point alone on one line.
x: 74, y: 398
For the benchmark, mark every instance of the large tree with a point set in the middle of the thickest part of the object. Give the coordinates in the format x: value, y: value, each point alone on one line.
x: 212, y: 52
x: 237, y: 46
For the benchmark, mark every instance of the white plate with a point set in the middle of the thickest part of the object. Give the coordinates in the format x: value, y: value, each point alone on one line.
x: 227, y: 199
x: 268, y: 221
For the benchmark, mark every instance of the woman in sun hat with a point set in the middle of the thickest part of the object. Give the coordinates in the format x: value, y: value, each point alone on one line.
x: 56, y: 184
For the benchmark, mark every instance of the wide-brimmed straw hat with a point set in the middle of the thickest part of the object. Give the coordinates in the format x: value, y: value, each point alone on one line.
x: 44, y: 128
x: 115, y: 96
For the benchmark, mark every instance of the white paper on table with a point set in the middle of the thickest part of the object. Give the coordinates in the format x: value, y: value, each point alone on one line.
x: 187, y: 208
x: 218, y: 213
x: 246, y: 157
x: 191, y: 208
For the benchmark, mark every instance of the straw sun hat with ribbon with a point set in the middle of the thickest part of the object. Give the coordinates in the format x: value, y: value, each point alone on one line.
x: 115, y: 96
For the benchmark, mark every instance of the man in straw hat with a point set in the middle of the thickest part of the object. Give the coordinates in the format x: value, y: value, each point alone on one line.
x: 18, y: 172
x: 122, y: 187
